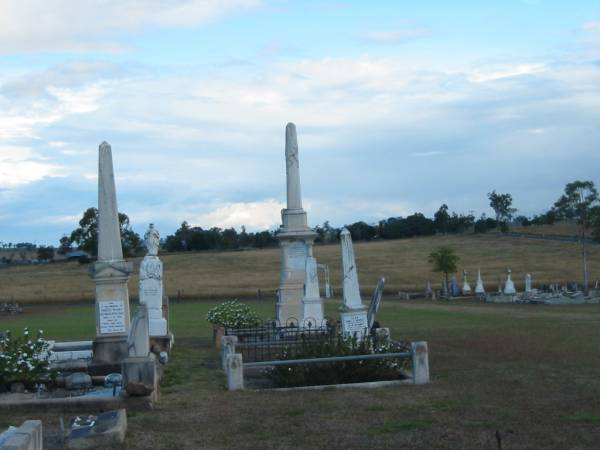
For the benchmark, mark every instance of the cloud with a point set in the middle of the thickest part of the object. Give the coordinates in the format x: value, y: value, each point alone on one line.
x: 96, y: 25
x: 394, y: 36
x: 509, y: 71
x: 592, y: 27
x: 253, y: 215
x: 20, y: 166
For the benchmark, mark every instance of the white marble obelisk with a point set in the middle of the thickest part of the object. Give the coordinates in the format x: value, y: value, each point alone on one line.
x: 295, y: 240
x: 151, y: 283
x: 353, y: 312
x: 479, y: 289
x: 110, y: 273
x: 312, y: 303
x: 528, y: 283
x: 509, y: 286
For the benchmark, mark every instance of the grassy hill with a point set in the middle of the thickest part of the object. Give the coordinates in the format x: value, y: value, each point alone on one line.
x: 404, y: 263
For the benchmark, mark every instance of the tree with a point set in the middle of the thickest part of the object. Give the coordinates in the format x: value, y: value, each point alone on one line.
x: 441, y: 219
x: 86, y: 236
x: 502, y: 206
x: 580, y: 203
x: 65, y: 245
x: 45, y: 253
x: 444, y: 260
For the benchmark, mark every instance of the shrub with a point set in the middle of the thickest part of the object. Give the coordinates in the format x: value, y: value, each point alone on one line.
x: 233, y: 314
x: 23, y: 360
x: 343, y: 371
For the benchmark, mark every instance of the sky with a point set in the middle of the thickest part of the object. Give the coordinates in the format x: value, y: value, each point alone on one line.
x: 400, y: 106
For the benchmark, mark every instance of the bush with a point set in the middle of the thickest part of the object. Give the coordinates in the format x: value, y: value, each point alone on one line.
x: 23, y: 360
x: 233, y: 314
x: 339, y: 372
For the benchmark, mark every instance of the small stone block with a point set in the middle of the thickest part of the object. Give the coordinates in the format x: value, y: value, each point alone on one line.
x: 19, y: 441
x: 235, y: 372
x: 140, y: 375
x: 78, y: 380
x: 420, y: 362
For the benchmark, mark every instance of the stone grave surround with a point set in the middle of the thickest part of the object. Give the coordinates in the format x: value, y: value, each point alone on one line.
x: 110, y: 274
x: 296, y: 243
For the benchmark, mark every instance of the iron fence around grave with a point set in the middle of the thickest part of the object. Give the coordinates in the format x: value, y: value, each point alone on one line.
x: 269, y: 340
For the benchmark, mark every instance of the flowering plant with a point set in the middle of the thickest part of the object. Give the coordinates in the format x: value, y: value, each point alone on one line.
x: 23, y: 359
x: 232, y: 314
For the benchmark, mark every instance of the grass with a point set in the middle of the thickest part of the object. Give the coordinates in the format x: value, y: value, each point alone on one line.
x: 240, y: 274
x: 528, y: 372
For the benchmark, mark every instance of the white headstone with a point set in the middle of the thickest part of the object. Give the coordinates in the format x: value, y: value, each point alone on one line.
x: 466, y: 289
x: 151, y: 284
x: 312, y: 304
x: 528, y: 283
x: 354, y: 315
x: 509, y: 286
x: 479, y: 289
x: 138, y: 341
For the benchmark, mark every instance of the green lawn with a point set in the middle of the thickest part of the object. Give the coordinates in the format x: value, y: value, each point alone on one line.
x: 528, y: 372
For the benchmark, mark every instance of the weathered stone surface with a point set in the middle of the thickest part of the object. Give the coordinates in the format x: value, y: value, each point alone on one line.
x: 151, y: 284
x: 29, y: 436
x: 138, y: 341
x: 420, y: 362
x: 235, y: 372
x: 78, y: 380
x: 375, y: 302
x: 351, y: 293
x: 466, y: 288
x: 509, y: 286
x: 228, y: 344
x: 109, y: 430
x: 140, y: 376
x: 479, y: 289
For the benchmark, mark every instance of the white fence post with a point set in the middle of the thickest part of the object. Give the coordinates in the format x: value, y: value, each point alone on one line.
x: 420, y: 362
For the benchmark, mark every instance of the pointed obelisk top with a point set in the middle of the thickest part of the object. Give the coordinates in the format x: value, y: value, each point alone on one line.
x: 294, y: 200
x: 109, y: 236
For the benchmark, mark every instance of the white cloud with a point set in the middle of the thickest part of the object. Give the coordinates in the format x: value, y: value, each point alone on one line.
x: 506, y: 72
x: 94, y: 25
x: 19, y: 166
x: 592, y: 27
x: 395, y: 36
x: 253, y: 215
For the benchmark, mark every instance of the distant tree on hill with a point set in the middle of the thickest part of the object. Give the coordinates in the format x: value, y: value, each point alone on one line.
x: 441, y: 219
x: 580, y: 202
x: 65, y: 245
x: 86, y: 236
x: 45, y: 253
x: 444, y: 260
x: 502, y: 206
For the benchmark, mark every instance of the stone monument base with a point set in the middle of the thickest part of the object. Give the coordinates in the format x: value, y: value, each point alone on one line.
x: 108, y: 353
x: 354, y: 323
x: 162, y: 343
x: 312, y: 314
x: 140, y: 375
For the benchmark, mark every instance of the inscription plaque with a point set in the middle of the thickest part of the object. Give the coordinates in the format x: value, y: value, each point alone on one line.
x: 112, y: 316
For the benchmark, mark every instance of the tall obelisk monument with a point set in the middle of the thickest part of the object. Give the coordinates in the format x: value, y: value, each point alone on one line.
x: 296, y: 242
x: 110, y: 273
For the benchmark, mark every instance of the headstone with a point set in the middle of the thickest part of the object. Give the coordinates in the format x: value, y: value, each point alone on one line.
x: 312, y: 304
x: 138, y: 341
x: 235, y: 372
x: 353, y: 312
x: 509, y: 286
x: 325, y: 269
x: 420, y: 362
x: 139, y: 369
x: 295, y: 238
x: 375, y: 302
x: 528, y: 283
x: 454, y: 291
x: 479, y: 289
x: 151, y: 284
x: 428, y: 290
x: 466, y: 289
x: 110, y: 274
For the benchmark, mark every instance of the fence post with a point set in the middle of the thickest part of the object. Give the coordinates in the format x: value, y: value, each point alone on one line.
x: 235, y: 372
x: 420, y: 362
x: 227, y: 348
